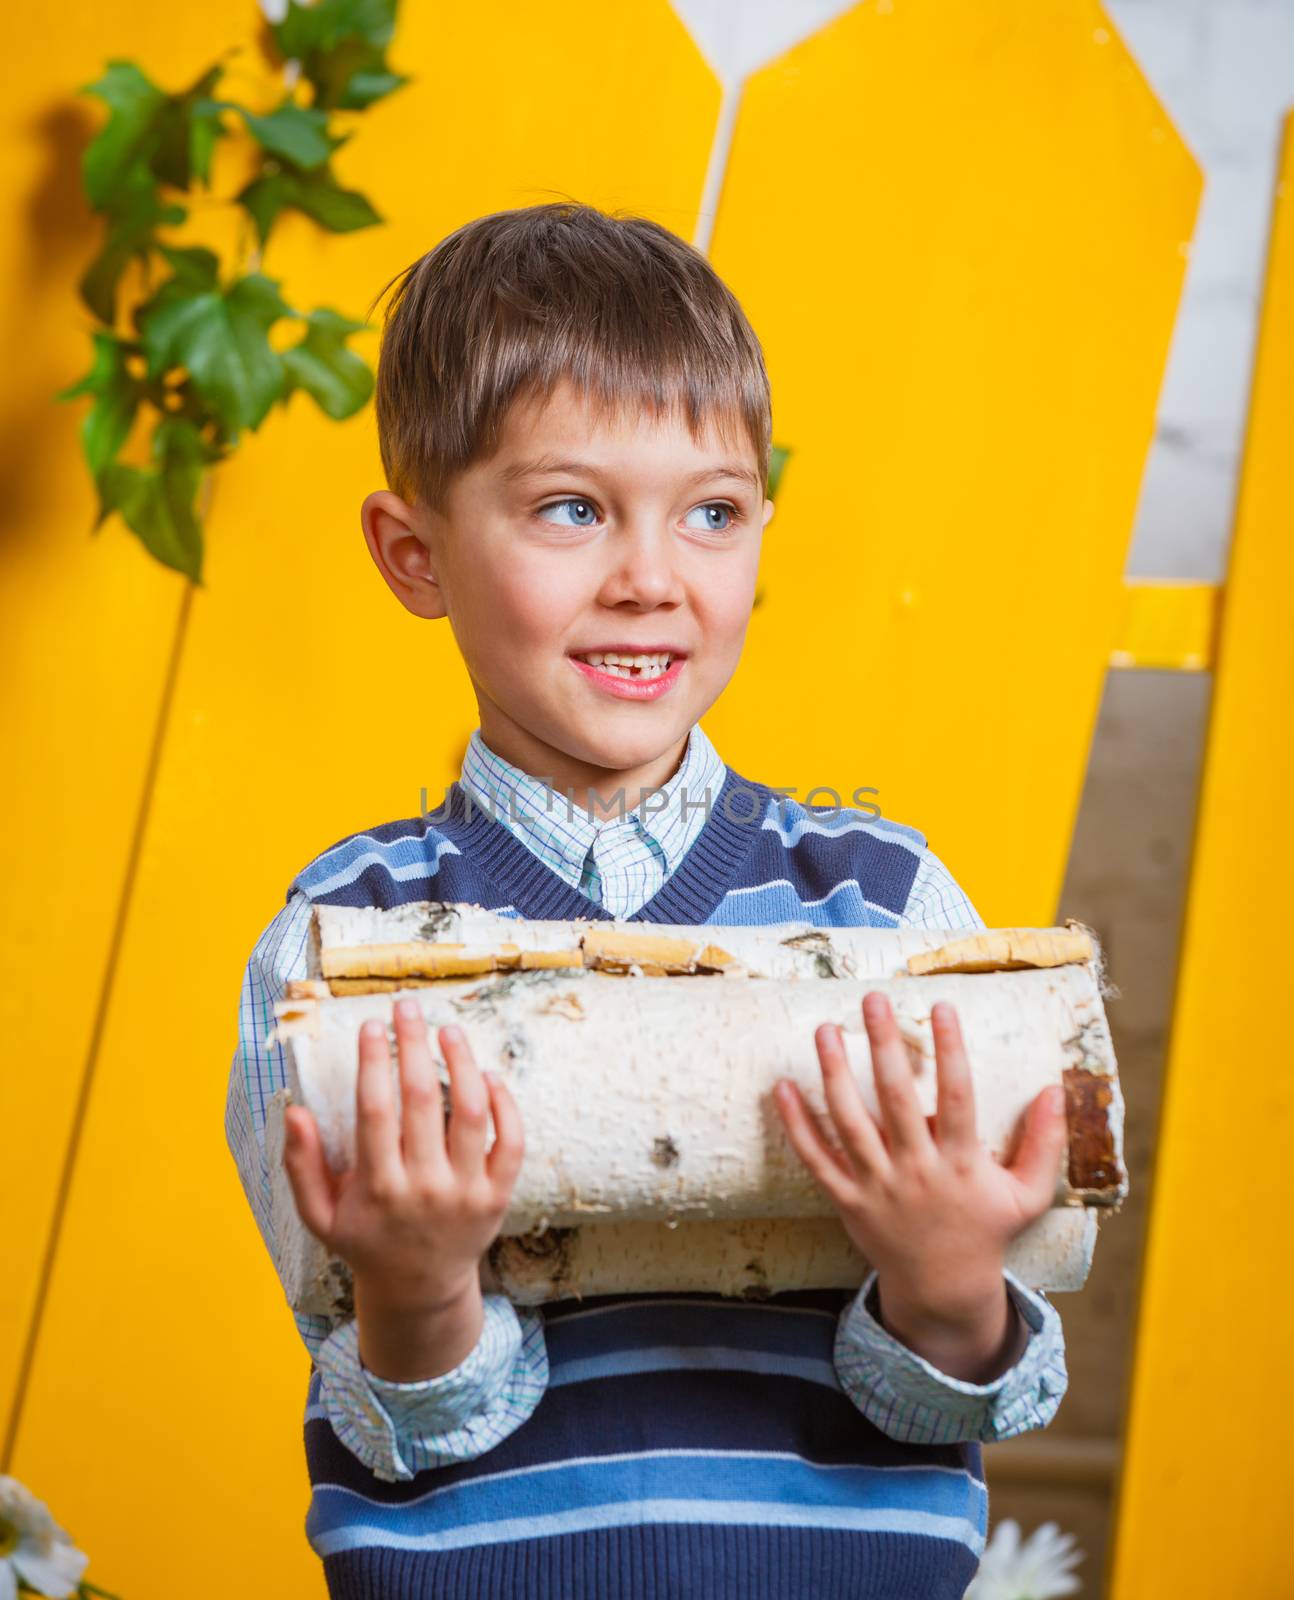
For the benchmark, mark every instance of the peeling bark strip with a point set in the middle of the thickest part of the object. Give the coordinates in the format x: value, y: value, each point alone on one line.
x: 1007, y: 949
x: 1093, y: 1158
x: 654, y: 1154
x: 387, y: 961
x: 607, y: 950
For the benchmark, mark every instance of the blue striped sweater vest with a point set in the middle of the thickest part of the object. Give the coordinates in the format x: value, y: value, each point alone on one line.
x: 689, y: 1447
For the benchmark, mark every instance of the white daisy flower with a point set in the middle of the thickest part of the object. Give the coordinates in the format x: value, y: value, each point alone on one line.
x: 1038, y: 1569
x: 33, y: 1548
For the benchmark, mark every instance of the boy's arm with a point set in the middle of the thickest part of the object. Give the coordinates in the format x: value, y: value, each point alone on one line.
x: 399, y: 1429
x: 937, y: 900
x: 906, y: 1396
x: 395, y: 1429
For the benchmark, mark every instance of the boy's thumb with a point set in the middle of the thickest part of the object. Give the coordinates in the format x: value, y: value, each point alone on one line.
x: 1037, y: 1163
x: 307, y: 1170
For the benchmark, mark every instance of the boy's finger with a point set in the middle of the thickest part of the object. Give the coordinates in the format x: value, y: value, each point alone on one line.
x: 809, y: 1144
x: 469, y: 1104
x: 955, y: 1105
x: 905, y: 1125
x: 854, y: 1122
x: 506, y: 1153
x: 422, y: 1105
x: 308, y: 1172
x: 377, y: 1139
x: 1036, y: 1166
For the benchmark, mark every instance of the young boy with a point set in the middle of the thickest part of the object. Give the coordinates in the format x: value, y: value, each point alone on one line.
x: 574, y: 422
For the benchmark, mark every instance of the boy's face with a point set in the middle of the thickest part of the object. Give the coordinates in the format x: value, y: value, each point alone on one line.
x: 583, y: 535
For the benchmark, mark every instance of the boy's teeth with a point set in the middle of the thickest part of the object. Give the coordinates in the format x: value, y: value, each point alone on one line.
x: 624, y: 666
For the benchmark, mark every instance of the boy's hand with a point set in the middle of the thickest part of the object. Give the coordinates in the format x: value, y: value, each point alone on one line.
x: 930, y: 1208
x: 420, y: 1207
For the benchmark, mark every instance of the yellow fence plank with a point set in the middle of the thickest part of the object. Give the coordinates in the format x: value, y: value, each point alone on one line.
x: 960, y: 231
x: 1205, y: 1490
x: 163, y: 1421
x: 87, y: 630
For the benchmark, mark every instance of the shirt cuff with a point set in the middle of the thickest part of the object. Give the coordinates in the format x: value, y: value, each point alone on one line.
x: 399, y: 1429
x: 910, y: 1399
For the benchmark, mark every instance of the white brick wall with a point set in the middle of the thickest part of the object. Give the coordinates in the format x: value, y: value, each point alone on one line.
x: 1225, y: 71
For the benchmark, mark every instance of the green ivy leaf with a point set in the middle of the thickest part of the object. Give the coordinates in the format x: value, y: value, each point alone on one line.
x: 194, y: 266
x: 779, y: 455
x: 327, y: 24
x: 364, y: 87
x: 298, y: 134
x: 219, y: 336
x: 129, y: 136
x: 150, y: 138
x: 116, y: 399
x: 188, y: 123
x: 168, y: 136
x: 317, y: 194
x: 138, y: 211
x: 205, y: 127
x: 157, y: 502
x: 341, y: 45
x: 338, y: 380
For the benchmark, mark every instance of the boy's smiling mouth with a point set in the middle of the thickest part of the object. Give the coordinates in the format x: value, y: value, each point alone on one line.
x: 631, y: 673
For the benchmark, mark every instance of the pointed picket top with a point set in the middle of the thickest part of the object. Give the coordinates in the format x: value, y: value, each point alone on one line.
x: 738, y: 37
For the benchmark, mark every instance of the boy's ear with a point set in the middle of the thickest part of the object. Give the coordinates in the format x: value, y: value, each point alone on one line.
x: 769, y: 508
x: 397, y: 539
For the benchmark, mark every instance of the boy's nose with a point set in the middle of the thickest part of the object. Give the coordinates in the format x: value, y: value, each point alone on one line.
x: 642, y: 568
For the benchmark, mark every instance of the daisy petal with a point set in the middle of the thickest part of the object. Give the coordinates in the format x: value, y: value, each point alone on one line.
x: 55, y: 1571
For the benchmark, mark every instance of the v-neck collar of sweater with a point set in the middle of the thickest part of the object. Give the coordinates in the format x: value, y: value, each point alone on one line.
x: 687, y: 897
x: 562, y: 834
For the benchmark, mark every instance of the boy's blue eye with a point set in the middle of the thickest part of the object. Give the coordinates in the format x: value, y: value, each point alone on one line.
x: 581, y: 506
x: 711, y: 509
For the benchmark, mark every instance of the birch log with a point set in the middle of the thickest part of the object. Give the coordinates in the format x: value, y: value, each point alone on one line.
x: 655, y: 1159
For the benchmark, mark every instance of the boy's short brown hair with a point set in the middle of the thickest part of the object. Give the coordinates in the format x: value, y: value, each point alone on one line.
x: 511, y: 303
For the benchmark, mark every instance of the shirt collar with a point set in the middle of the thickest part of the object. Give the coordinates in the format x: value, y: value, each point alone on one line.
x: 562, y: 834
